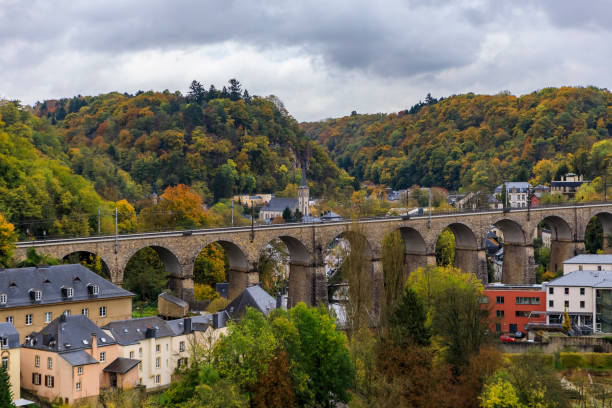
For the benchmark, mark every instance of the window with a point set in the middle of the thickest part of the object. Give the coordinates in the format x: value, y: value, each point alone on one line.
x: 37, y: 295
x: 80, y: 370
x: 3, y: 298
x: 527, y: 300
x: 102, y: 357
x: 36, y: 378
x: 93, y: 289
x: 582, y: 304
x: 69, y: 292
x: 157, y: 348
x: 157, y: 362
x: 131, y: 354
x: 67, y: 312
x: 567, y: 291
x: 599, y: 267
x: 5, y: 362
x: 497, y: 328
x: 48, y: 317
x: 102, y: 311
x: 582, y: 291
x: 499, y: 300
x: 551, y: 291
x: 551, y: 303
x: 182, y: 362
x: 28, y: 320
x: 182, y: 346
x: 37, y: 361
x: 140, y: 352
x: 49, y: 363
x: 499, y: 313
x: 157, y: 379
x: 9, y: 319
x: 567, y: 303
x: 78, y: 386
x: 4, y: 341
x: 579, y: 267
x: 521, y: 313
x: 85, y: 311
x: 49, y: 380
x: 140, y: 366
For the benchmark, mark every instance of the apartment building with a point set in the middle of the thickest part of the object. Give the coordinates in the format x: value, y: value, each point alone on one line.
x: 512, y: 307
x: 517, y: 194
x: 72, y: 359
x: 10, y: 353
x: 30, y: 298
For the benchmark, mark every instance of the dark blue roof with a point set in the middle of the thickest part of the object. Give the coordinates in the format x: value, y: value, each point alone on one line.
x: 9, y: 332
x: 17, y: 284
x: 67, y: 334
x: 78, y: 358
x: 279, y: 204
x: 131, y: 331
x: 253, y: 296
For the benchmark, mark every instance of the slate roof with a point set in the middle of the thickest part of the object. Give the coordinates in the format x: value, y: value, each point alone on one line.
x: 568, y: 183
x: 596, y: 279
x: 17, y: 283
x: 78, y: 358
x: 8, y: 331
x: 198, y: 323
x: 132, y: 331
x: 590, y: 259
x: 331, y: 216
x: 279, y: 204
x: 522, y: 186
x: 121, y: 365
x: 173, y: 299
x: 68, y: 333
x: 253, y: 296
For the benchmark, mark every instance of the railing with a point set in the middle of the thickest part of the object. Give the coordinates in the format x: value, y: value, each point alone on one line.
x: 173, y: 230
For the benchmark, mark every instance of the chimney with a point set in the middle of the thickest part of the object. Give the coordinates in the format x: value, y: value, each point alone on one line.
x: 94, y: 345
x: 150, y: 333
x: 218, y: 320
x: 187, y: 325
x: 215, y: 320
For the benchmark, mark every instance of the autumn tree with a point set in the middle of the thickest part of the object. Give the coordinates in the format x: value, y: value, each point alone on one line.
x: 179, y: 206
x: 445, y: 248
x: 393, y: 272
x: 7, y: 241
x: 211, y: 265
x: 274, y: 389
x: 126, y: 216
x: 356, y: 270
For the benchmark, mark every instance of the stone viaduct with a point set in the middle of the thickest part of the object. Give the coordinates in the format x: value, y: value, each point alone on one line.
x: 307, y: 244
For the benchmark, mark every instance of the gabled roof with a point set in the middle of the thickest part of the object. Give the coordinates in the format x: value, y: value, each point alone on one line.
x: 521, y: 185
x: 121, y: 365
x: 568, y: 183
x: 9, y: 332
x: 68, y: 333
x: 279, y: 204
x: 17, y: 283
x: 132, y: 331
x: 600, y: 259
x: 597, y: 279
x: 198, y: 323
x: 253, y: 296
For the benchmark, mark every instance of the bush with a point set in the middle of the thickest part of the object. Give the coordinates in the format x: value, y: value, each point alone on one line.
x: 204, y: 292
x: 572, y: 360
x: 217, y: 304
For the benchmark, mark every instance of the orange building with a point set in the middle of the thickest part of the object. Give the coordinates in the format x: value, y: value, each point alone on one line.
x: 72, y: 359
x: 513, y: 306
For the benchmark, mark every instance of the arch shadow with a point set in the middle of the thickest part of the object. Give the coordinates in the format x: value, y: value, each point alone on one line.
x: 88, y: 259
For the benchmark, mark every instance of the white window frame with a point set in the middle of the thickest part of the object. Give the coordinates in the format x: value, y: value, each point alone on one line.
x: 9, y: 319
x: 80, y: 370
x: 28, y: 319
x: 85, y: 311
x: 102, y: 311
x: 69, y: 292
x: 102, y: 356
x: 182, y: 346
x: 36, y: 361
x: 131, y: 354
x: 3, y: 298
x: 37, y: 295
x: 157, y: 379
x: 48, y: 317
x: 49, y: 363
x: 78, y: 386
x: 157, y: 362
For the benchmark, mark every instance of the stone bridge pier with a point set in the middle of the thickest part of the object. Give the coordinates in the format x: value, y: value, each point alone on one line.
x: 560, y: 250
x: 519, y: 264
x: 472, y: 260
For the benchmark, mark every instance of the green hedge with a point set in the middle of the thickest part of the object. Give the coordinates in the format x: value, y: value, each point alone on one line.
x: 585, y: 360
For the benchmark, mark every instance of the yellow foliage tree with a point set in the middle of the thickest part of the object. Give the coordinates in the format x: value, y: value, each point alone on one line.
x: 126, y: 216
x: 7, y: 241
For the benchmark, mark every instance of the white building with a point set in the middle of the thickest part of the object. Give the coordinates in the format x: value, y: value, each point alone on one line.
x: 518, y: 193
x: 587, y: 297
x: 591, y: 262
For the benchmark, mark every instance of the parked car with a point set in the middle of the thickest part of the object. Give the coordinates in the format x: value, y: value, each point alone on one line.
x: 506, y: 338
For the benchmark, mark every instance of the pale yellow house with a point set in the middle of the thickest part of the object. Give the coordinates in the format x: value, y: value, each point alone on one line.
x: 10, y: 354
x: 30, y: 298
x: 163, y: 346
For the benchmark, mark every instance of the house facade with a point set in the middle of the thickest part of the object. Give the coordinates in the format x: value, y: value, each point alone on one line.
x: 514, y: 306
x: 11, y: 356
x: 30, y: 298
x: 517, y: 192
x: 70, y: 358
x: 568, y: 185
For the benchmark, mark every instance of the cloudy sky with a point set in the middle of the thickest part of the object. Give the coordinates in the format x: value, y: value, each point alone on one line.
x: 322, y: 58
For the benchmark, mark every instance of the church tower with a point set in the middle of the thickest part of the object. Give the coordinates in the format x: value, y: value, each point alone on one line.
x: 304, y: 195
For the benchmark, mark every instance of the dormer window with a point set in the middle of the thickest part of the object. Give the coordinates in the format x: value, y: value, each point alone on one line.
x: 3, y: 298
x: 67, y: 292
x: 93, y: 289
x: 36, y: 294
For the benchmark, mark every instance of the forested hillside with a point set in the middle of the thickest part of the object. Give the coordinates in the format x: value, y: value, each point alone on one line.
x: 220, y: 142
x: 474, y: 141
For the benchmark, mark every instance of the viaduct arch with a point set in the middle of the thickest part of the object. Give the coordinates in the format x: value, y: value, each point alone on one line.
x: 307, y: 243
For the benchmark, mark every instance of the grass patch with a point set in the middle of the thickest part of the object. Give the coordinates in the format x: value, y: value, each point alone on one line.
x: 143, y: 310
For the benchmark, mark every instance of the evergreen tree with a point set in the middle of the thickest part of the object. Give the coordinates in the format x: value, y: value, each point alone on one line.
x: 6, y: 395
x: 197, y: 93
x: 408, y: 320
x: 287, y: 214
x: 235, y: 89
